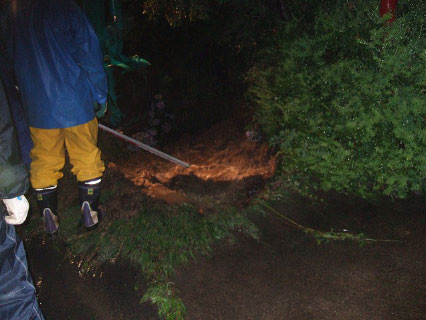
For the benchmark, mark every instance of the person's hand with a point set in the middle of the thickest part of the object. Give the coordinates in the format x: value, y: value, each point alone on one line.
x: 102, y: 110
x: 17, y: 209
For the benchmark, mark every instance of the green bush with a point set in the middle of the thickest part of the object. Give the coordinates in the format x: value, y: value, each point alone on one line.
x: 342, y: 96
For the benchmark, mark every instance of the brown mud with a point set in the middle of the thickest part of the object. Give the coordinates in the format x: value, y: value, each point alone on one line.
x: 225, y: 168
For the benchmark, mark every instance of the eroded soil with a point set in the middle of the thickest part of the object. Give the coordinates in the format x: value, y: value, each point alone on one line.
x: 225, y: 168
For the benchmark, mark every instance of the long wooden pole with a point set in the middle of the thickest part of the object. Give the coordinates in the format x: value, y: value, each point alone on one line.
x: 144, y: 146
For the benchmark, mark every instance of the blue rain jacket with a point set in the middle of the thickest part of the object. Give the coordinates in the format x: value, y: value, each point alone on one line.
x: 20, y: 120
x: 8, y: 77
x: 17, y: 293
x: 58, y: 63
x: 18, y: 300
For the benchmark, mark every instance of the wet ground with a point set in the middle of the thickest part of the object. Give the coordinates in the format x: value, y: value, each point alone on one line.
x: 285, y: 275
x: 112, y: 293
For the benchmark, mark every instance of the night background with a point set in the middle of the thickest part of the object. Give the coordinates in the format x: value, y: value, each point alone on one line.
x: 304, y: 124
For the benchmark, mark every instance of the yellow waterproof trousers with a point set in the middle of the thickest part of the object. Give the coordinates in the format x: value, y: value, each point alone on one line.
x: 48, y: 154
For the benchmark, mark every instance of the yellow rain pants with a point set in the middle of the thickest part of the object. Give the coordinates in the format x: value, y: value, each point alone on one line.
x: 48, y: 154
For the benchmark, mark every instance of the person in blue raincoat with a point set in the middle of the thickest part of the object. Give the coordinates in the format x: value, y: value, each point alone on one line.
x: 8, y: 77
x: 59, y: 71
x: 17, y: 292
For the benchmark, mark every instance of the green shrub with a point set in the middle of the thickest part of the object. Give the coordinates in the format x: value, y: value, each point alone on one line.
x: 343, y: 98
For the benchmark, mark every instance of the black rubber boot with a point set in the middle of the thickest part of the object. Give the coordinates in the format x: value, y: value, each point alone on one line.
x: 90, y: 194
x: 47, y: 202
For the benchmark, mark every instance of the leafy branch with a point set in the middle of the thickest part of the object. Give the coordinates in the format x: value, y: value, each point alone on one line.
x: 321, y: 236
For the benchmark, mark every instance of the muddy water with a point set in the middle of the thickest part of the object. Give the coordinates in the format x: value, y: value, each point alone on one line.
x: 64, y: 293
x: 225, y: 168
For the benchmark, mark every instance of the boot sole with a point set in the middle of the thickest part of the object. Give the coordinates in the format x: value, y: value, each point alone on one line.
x: 51, y: 222
x: 91, y: 218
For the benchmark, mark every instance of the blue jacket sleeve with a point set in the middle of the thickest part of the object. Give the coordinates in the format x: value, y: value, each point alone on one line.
x: 9, y: 82
x: 88, y: 52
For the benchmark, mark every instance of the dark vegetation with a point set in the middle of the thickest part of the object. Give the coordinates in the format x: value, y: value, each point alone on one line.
x: 343, y: 99
x: 197, y: 65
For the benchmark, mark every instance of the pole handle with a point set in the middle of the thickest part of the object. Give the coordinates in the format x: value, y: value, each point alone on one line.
x: 144, y: 146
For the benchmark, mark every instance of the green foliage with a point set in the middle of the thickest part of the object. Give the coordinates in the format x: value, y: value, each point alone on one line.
x: 164, y: 296
x: 174, y: 11
x: 343, y: 98
x: 325, y: 237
